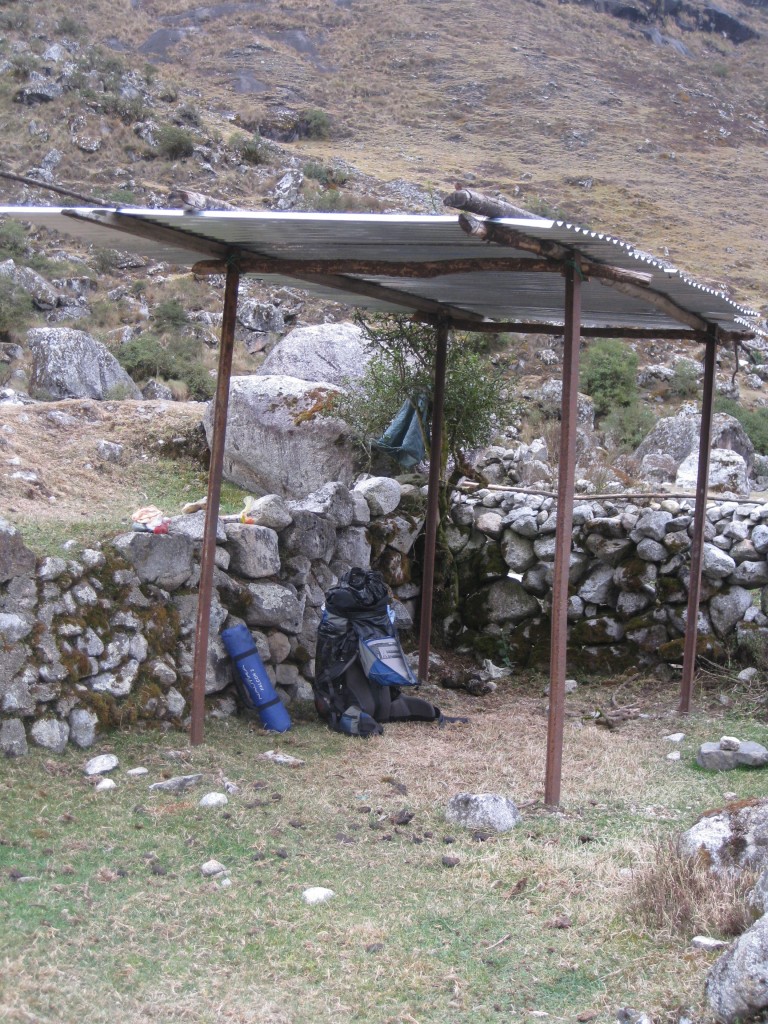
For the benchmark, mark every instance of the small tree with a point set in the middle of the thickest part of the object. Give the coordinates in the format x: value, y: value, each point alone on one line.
x: 609, y: 374
x: 402, y: 367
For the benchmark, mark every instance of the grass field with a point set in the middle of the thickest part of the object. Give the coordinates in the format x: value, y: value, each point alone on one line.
x: 107, y: 916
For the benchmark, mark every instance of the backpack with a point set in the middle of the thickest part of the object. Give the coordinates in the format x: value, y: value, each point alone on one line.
x: 360, y: 667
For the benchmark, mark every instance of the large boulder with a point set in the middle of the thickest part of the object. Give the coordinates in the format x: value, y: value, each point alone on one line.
x: 278, y: 440
x: 326, y: 352
x: 678, y: 436
x: 730, y: 840
x: 16, y: 559
x: 737, y: 984
x: 727, y: 472
x: 71, y: 364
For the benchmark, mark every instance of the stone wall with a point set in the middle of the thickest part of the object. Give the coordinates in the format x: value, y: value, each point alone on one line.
x: 629, y: 572
x: 103, y: 637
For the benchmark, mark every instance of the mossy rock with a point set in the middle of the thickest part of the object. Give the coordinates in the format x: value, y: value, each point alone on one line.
x: 707, y: 645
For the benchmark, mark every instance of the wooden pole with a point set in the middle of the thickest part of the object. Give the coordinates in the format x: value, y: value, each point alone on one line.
x: 221, y: 401
x: 433, y: 500
x: 565, y: 492
x: 699, y: 518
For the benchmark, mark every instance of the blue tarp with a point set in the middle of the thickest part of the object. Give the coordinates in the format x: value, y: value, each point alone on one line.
x: 407, y: 436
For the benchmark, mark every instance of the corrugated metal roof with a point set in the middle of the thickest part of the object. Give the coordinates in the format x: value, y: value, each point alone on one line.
x: 184, y: 238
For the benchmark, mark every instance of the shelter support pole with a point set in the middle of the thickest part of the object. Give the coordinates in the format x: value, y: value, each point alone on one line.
x: 699, y: 519
x: 433, y: 499
x: 221, y: 401
x: 565, y: 491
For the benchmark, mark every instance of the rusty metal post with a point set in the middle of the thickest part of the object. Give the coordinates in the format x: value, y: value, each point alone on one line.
x: 433, y: 499
x: 699, y: 518
x: 221, y: 401
x: 565, y: 491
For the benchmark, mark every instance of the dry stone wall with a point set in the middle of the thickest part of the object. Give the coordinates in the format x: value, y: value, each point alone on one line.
x: 103, y: 636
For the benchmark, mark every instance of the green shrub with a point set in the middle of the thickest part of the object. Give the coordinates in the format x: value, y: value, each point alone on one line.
x: 754, y: 421
x: 327, y: 176
x: 179, y: 360
x: 13, y: 239
x: 170, y: 315
x: 189, y: 114
x: 16, y: 309
x: 685, y: 380
x: 609, y: 375
x: 175, y: 143
x: 628, y: 425
x: 250, y: 150
x: 72, y: 27
x: 313, y: 124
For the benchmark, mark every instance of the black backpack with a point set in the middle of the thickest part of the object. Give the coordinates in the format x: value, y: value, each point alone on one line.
x: 360, y: 668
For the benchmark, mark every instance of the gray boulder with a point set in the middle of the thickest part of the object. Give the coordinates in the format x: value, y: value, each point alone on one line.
x: 731, y: 839
x: 71, y: 364
x: 727, y: 472
x: 727, y: 608
x: 483, y: 810
x: 331, y: 353
x: 13, y: 738
x: 82, y: 727
x: 278, y: 440
x: 51, y: 734
x: 381, y: 493
x: 43, y: 295
x: 677, y: 436
x: 253, y: 550
x: 162, y: 559
x: 332, y: 501
x: 16, y: 559
x: 737, y: 984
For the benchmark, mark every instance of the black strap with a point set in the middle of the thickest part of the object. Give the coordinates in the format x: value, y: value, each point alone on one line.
x: 245, y: 654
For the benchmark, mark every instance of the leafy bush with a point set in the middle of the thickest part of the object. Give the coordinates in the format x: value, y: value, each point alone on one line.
x: 754, y: 421
x: 16, y: 309
x: 175, y: 143
x: 146, y: 357
x: 402, y: 367
x: 13, y: 239
x: 250, y: 150
x: 189, y: 114
x: 69, y: 26
x: 314, y: 124
x: 327, y: 176
x: 628, y: 425
x: 170, y: 315
x: 609, y: 374
x: 685, y: 380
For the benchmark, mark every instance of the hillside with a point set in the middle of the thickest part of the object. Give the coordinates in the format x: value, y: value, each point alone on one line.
x: 647, y: 120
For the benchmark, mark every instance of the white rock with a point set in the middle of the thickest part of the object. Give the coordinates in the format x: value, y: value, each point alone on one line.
x: 225, y: 883
x: 705, y: 942
x: 729, y: 743
x: 212, y: 868
x: 213, y: 800
x: 104, y: 785
x: 675, y: 737
x: 673, y: 755
x: 99, y: 765
x: 317, y: 894
x: 136, y: 772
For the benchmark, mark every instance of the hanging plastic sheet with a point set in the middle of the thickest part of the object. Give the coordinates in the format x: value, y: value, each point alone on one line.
x: 407, y: 436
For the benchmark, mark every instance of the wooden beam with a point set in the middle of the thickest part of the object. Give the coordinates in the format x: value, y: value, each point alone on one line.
x: 475, y: 202
x: 624, y: 281
x: 140, y: 227
x: 502, y: 234
x: 383, y: 268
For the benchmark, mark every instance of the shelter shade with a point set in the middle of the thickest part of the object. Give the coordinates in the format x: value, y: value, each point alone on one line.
x: 429, y: 267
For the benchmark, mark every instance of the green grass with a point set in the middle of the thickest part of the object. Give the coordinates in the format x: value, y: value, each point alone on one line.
x: 118, y: 915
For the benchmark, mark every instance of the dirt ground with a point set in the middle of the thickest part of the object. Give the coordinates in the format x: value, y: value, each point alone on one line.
x: 51, y: 467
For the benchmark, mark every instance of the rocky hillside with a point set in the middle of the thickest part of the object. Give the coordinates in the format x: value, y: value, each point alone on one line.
x: 646, y: 119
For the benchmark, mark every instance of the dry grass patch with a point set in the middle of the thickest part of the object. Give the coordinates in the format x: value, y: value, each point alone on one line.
x: 117, y: 914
